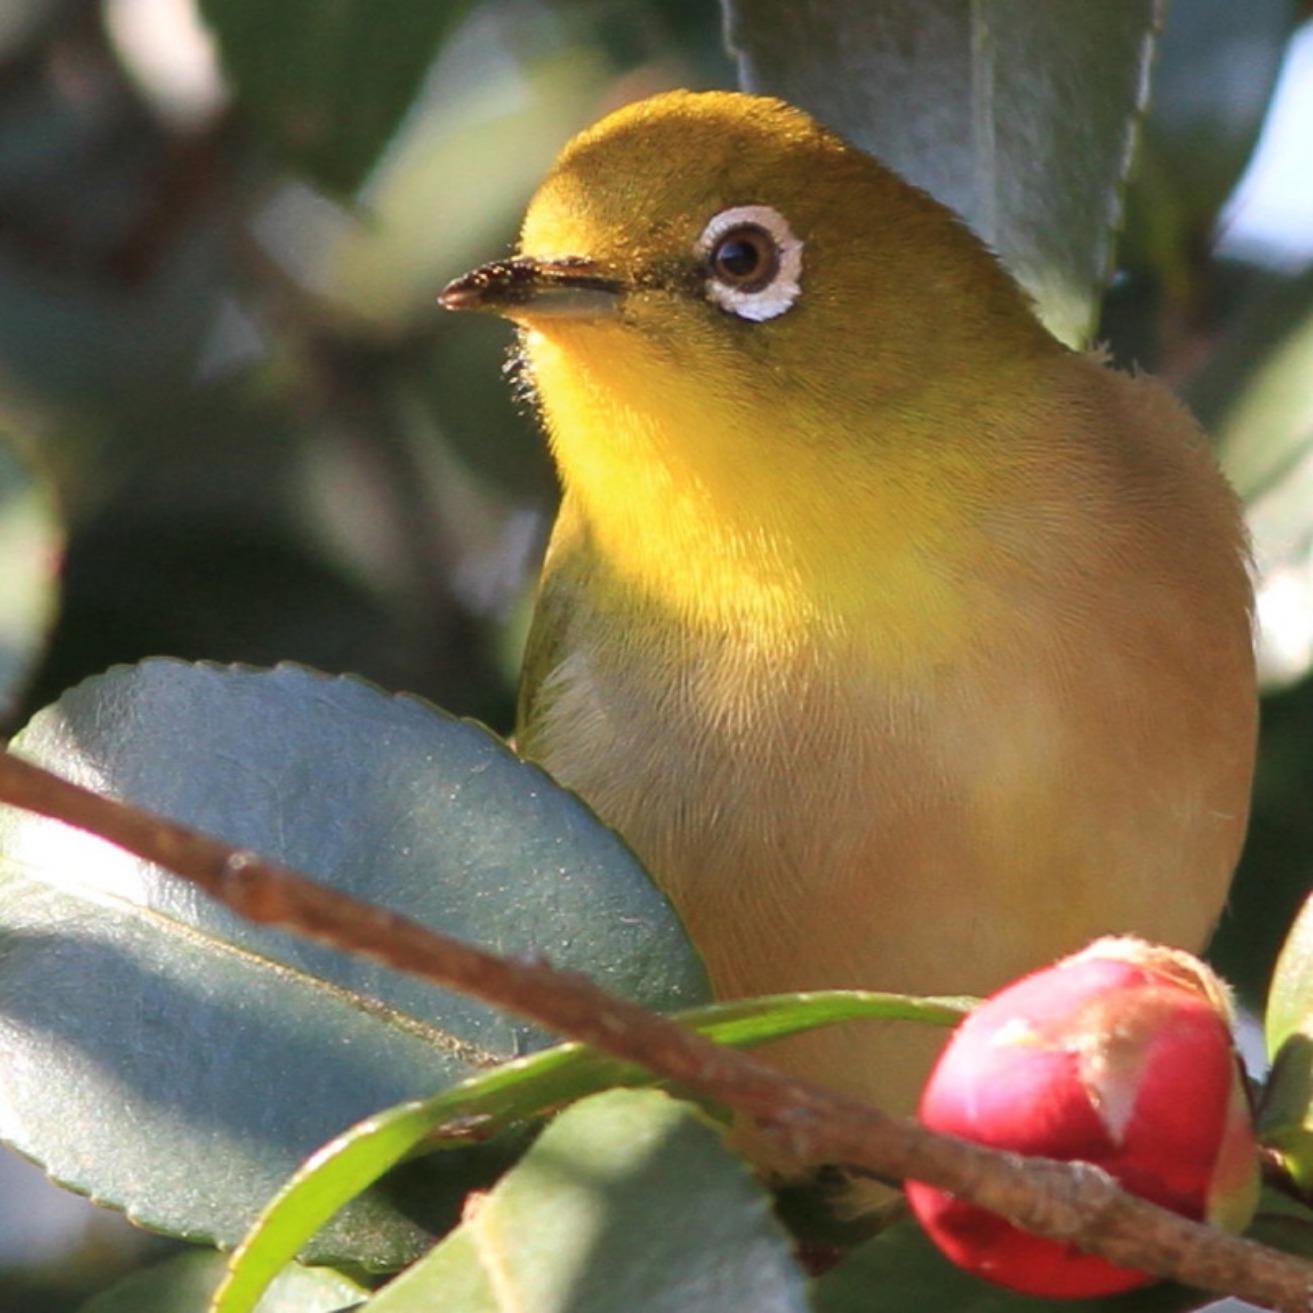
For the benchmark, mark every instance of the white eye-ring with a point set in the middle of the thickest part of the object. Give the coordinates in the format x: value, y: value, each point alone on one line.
x: 753, y: 261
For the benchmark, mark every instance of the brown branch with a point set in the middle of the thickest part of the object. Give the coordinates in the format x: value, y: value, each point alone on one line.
x: 1072, y: 1202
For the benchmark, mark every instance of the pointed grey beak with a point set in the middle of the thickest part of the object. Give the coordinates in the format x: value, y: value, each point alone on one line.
x: 525, y: 288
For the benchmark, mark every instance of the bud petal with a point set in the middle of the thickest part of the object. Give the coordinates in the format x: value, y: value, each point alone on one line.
x: 1120, y: 1056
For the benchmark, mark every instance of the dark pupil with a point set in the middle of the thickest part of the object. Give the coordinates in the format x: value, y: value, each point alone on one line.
x: 745, y: 257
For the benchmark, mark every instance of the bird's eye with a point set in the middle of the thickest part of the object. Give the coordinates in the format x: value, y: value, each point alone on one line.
x: 745, y: 258
x: 753, y: 261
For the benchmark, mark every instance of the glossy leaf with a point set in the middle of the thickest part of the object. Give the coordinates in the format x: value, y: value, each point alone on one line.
x: 525, y: 1089
x: 1021, y: 117
x: 326, y: 85
x: 177, y: 1062
x: 628, y: 1201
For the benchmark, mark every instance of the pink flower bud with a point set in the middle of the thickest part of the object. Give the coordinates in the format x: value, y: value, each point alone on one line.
x: 1120, y: 1056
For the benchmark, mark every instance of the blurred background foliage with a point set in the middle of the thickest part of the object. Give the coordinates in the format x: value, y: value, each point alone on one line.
x: 242, y: 430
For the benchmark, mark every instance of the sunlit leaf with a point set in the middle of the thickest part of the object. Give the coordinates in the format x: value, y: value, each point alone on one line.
x: 198, y: 1059
x: 628, y: 1201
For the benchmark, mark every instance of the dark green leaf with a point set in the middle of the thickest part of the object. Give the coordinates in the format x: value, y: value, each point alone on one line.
x: 901, y: 1270
x: 1284, y: 1224
x: 1020, y: 117
x: 628, y: 1201
x: 1285, y: 1114
x: 171, y: 1059
x: 327, y: 82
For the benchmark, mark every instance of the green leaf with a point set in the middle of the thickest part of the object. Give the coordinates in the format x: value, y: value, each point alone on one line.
x: 745, y: 1023
x: 454, y: 163
x: 1256, y: 399
x: 1203, y: 141
x: 1284, y: 1223
x: 327, y: 82
x: 628, y: 1201
x: 173, y: 1060
x: 901, y: 1269
x: 525, y: 1089
x: 1020, y: 117
x: 1290, y: 1000
x: 1194, y: 147
x: 185, y: 1283
x: 30, y: 545
x: 1285, y: 1113
x: 330, y: 1179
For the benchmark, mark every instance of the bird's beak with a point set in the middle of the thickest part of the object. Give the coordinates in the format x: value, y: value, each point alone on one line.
x: 524, y: 288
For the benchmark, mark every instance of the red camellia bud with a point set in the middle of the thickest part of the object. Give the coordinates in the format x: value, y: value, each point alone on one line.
x: 1120, y: 1056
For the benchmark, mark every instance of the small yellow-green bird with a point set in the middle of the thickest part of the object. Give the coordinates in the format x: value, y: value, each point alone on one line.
x: 907, y: 647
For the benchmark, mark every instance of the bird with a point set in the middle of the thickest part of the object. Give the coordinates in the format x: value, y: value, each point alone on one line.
x: 907, y: 647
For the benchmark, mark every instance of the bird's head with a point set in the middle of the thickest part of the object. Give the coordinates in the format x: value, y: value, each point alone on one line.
x: 736, y: 242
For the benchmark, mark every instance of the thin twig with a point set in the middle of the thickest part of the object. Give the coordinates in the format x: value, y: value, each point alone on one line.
x: 1072, y: 1202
